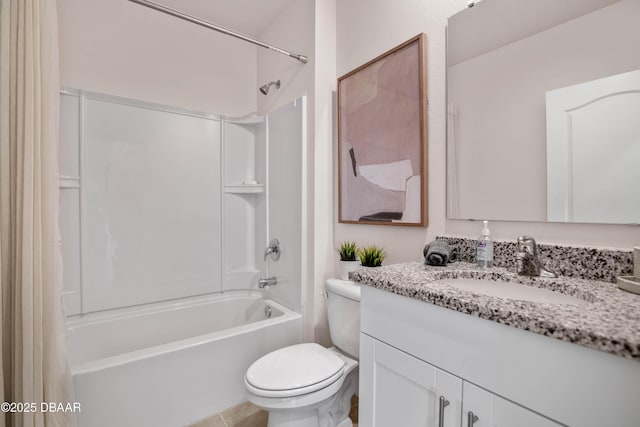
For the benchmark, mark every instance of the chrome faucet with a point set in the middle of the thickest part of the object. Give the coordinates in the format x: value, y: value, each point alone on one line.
x: 528, y: 263
x: 264, y: 282
x: 273, y: 250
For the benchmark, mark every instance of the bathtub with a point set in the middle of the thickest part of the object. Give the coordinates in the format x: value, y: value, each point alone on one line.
x: 171, y: 364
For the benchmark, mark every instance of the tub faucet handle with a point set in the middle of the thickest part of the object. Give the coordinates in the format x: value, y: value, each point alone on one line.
x: 273, y: 250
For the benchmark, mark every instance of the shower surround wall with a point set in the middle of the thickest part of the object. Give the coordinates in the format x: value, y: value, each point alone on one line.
x: 159, y: 203
x: 269, y: 150
x: 245, y: 230
x: 151, y: 220
x: 140, y: 202
x: 285, y: 183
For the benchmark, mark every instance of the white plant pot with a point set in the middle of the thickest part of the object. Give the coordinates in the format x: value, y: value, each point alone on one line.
x: 346, y: 267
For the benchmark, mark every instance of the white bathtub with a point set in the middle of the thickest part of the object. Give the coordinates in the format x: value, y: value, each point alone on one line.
x: 170, y: 364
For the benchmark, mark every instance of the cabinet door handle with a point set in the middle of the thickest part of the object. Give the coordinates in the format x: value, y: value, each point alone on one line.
x: 471, y: 419
x: 443, y: 404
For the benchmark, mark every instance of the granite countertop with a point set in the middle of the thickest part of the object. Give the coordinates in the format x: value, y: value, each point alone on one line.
x: 608, y: 320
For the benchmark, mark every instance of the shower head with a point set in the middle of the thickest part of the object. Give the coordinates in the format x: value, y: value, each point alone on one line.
x: 264, y: 89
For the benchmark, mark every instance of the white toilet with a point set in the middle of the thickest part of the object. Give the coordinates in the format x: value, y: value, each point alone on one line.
x: 307, y: 385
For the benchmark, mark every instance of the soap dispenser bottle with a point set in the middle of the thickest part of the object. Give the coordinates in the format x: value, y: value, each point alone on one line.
x: 484, y: 255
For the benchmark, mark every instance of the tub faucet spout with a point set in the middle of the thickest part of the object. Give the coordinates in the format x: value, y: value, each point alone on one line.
x: 265, y: 282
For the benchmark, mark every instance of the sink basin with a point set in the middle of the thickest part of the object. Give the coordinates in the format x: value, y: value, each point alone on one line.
x: 513, y: 291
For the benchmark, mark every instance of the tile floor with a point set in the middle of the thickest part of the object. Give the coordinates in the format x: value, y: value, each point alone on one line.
x: 243, y: 415
x: 249, y: 415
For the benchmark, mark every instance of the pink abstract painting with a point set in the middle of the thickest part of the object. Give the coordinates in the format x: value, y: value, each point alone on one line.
x: 382, y: 139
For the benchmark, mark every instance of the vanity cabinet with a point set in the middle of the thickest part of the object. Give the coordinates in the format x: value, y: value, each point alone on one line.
x: 481, y: 408
x: 412, y: 353
x: 400, y: 389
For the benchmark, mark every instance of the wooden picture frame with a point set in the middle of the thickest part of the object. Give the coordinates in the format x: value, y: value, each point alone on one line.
x: 382, y: 139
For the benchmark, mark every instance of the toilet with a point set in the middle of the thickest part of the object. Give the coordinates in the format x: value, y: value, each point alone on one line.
x: 307, y: 385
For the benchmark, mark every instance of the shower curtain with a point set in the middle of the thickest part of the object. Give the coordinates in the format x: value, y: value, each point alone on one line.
x: 33, y: 367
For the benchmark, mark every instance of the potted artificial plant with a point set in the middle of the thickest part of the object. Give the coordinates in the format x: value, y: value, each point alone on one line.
x: 371, y: 256
x: 348, y: 259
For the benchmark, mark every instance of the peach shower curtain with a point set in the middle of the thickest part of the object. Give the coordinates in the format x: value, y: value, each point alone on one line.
x: 33, y: 366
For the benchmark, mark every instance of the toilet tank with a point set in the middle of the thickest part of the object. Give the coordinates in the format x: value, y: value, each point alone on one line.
x: 343, y: 312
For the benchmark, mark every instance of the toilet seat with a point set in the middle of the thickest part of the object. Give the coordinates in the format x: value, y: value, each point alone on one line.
x: 294, y: 371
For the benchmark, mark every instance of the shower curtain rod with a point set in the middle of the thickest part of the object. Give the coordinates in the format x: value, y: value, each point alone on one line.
x: 177, y: 14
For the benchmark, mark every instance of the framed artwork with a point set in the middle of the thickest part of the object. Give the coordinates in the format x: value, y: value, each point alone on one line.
x: 382, y: 139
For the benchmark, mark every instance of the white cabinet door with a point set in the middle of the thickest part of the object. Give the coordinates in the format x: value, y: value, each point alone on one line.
x: 494, y: 411
x: 399, y: 390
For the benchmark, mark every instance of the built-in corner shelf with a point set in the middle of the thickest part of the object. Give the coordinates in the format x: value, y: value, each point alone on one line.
x: 247, y: 120
x: 244, y: 189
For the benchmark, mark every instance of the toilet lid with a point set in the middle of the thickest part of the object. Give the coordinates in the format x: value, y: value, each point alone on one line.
x: 302, y: 366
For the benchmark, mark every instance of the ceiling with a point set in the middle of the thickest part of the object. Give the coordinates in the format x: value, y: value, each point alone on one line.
x: 249, y: 17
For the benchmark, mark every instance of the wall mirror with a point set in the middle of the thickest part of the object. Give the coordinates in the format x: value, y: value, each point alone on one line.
x: 543, y: 107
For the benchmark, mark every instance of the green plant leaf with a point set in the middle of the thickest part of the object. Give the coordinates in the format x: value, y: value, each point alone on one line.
x: 348, y: 251
x: 371, y: 256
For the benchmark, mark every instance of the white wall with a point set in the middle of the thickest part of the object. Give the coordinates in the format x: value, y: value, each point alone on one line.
x: 367, y: 28
x: 309, y: 27
x: 293, y: 30
x: 121, y: 48
x: 324, y: 253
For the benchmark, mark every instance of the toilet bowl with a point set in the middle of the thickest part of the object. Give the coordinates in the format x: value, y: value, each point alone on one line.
x: 304, y: 385
x: 307, y: 385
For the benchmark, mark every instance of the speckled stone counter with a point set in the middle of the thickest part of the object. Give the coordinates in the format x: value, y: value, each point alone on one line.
x: 579, y: 262
x: 606, y: 318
